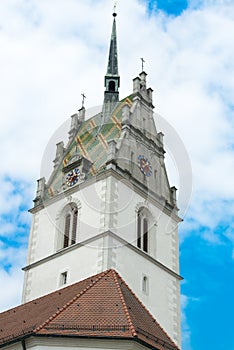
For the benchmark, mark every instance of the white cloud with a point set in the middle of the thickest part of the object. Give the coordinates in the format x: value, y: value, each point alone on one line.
x: 11, y: 293
x: 11, y: 276
x: 13, y: 195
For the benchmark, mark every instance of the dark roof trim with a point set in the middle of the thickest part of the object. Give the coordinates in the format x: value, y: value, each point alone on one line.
x: 135, y: 339
x: 110, y: 233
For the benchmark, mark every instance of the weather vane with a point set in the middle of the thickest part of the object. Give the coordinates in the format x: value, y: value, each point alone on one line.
x: 83, y: 99
x: 142, y: 63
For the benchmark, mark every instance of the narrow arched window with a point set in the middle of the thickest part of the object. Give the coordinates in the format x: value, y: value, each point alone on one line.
x: 111, y: 86
x: 74, y: 226
x: 68, y: 226
x: 145, y: 284
x: 67, y: 230
x: 138, y: 230
x: 145, y: 235
x: 143, y: 220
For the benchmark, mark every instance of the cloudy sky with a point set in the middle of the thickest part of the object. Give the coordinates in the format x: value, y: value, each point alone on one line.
x: 54, y: 50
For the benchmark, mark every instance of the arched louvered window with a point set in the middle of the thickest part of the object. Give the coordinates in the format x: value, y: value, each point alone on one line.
x: 74, y: 226
x: 143, y: 230
x: 138, y: 230
x: 68, y: 228
x: 145, y: 235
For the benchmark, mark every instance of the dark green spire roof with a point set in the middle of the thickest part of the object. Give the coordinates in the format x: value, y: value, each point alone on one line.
x: 112, y: 68
x: 112, y: 79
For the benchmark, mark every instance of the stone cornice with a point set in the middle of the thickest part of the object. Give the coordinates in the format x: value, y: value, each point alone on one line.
x: 159, y: 201
x: 97, y: 237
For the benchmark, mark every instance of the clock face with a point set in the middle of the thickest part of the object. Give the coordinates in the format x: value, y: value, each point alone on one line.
x: 144, y: 165
x: 72, y: 177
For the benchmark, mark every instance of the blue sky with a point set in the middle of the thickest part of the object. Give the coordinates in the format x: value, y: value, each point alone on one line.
x: 170, y: 7
x: 188, y: 48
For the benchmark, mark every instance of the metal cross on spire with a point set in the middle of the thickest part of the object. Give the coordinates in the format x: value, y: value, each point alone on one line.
x: 114, y: 8
x: 142, y: 63
x: 83, y: 99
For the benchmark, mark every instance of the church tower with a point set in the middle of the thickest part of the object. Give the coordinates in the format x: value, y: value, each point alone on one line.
x: 108, y: 205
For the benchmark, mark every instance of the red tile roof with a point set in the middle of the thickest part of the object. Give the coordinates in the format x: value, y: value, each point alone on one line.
x: 99, y: 306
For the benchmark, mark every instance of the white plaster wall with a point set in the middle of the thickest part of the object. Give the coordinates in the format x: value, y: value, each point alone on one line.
x: 105, y: 205
x: 45, y: 223
x: 48, y: 343
x: 162, y: 298
x: 108, y: 204
x: 44, y: 278
x: 163, y: 232
x: 82, y: 344
x: 14, y: 346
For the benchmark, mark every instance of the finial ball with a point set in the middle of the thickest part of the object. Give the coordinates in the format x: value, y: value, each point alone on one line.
x: 114, y: 14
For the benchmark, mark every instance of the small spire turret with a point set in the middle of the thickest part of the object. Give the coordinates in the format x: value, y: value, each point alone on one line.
x: 112, y: 78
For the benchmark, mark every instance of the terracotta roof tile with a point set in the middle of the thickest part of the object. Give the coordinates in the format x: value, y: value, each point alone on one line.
x: 102, y: 305
x: 146, y: 327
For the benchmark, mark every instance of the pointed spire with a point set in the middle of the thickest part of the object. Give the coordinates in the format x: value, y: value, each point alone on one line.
x: 112, y: 79
x: 112, y: 68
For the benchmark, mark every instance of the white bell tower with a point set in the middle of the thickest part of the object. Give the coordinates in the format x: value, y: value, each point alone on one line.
x: 108, y: 204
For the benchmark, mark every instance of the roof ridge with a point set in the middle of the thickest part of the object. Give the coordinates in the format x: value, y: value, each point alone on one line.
x: 71, y: 301
x: 131, y: 326
x: 145, y: 308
